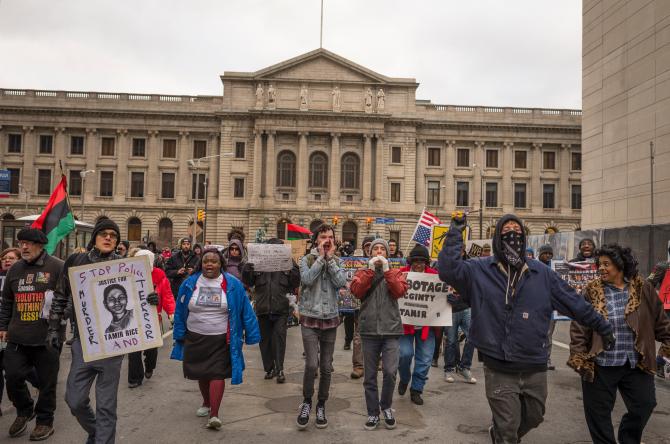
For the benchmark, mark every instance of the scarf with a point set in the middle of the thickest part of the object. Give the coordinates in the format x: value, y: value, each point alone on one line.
x: 512, y: 244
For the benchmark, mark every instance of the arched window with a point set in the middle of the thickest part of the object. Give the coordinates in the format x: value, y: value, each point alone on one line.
x: 286, y: 169
x: 318, y: 170
x: 165, y: 232
x: 8, y: 216
x: 551, y: 230
x: 315, y: 224
x: 350, y: 233
x: 281, y: 228
x: 134, y: 229
x: 351, y: 169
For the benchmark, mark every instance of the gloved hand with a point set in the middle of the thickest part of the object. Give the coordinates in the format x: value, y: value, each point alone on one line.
x: 458, y: 220
x: 452, y: 298
x: 372, y: 263
x: 385, y: 263
x: 608, y: 341
x: 152, y: 298
x: 53, y: 339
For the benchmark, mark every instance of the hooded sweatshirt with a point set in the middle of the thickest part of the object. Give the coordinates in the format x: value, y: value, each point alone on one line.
x: 234, y: 264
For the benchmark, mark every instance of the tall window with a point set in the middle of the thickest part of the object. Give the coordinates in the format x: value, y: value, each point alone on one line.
x: 170, y: 148
x: 239, y: 187
x: 548, y: 195
x: 281, y: 228
x: 165, y: 231
x: 318, y: 171
x: 44, y: 182
x: 463, y: 157
x: 462, y: 194
x: 107, y: 146
x: 491, y: 194
x: 433, y: 193
x: 74, y: 183
x: 351, y: 167
x: 519, y: 195
x: 137, y: 184
x: 167, y: 186
x: 199, y: 148
x: 106, y: 183
x: 434, y: 156
x: 139, y: 147
x: 520, y: 160
x: 77, y: 145
x: 240, y: 148
x: 14, y: 142
x: 576, y: 161
x: 395, y: 192
x: 549, y: 160
x: 198, y: 182
x: 576, y: 197
x: 134, y: 229
x: 14, y: 180
x: 491, y: 158
x: 286, y: 170
x: 350, y: 232
x: 46, y: 144
x: 396, y: 154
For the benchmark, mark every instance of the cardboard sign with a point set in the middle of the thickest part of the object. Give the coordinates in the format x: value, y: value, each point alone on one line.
x: 298, y: 248
x: 425, y: 302
x: 437, y: 236
x: 113, y: 315
x: 270, y: 257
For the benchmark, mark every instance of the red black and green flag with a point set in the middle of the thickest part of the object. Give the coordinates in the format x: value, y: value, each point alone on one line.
x: 56, y: 220
x: 296, y: 232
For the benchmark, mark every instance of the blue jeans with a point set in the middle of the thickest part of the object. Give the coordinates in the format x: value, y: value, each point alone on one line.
x: 411, y: 346
x: 452, y: 358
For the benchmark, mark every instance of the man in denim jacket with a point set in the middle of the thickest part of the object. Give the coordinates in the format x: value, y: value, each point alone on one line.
x: 322, y: 276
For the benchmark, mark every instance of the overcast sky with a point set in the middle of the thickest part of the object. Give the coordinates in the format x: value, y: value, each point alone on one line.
x: 479, y: 52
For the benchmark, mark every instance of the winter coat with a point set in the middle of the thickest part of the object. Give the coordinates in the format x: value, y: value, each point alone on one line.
x: 511, y: 323
x: 644, y: 315
x: 379, y: 292
x: 271, y: 288
x: 164, y: 291
x: 177, y: 261
x: 320, y: 284
x: 242, y: 322
x: 411, y: 329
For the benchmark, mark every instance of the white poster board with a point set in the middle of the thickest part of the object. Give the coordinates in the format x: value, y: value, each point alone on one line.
x: 113, y: 315
x: 425, y: 302
x: 270, y: 257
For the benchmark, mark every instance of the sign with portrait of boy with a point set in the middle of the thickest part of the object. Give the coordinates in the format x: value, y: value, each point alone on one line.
x: 110, y: 302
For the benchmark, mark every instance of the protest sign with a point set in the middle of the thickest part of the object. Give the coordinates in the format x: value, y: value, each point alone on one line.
x: 437, y: 236
x: 425, y: 302
x: 576, y: 274
x: 113, y: 315
x: 270, y: 257
x: 298, y: 248
x: 347, y: 303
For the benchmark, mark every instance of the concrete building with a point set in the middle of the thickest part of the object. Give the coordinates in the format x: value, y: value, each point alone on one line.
x: 626, y: 104
x: 314, y: 138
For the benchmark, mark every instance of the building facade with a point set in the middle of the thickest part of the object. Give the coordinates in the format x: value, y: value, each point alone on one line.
x: 314, y: 138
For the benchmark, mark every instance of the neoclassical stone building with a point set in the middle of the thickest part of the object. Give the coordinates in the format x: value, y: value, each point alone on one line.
x: 314, y: 138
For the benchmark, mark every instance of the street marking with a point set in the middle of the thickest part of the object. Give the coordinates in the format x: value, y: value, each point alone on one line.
x: 554, y: 342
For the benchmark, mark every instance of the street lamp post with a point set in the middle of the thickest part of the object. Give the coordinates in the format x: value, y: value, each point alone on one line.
x: 83, y: 174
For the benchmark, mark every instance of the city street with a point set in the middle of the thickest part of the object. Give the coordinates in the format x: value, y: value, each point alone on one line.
x: 260, y: 411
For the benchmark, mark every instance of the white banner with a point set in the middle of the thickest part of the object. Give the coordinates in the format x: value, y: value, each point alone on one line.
x: 113, y: 315
x: 425, y: 302
x: 270, y: 257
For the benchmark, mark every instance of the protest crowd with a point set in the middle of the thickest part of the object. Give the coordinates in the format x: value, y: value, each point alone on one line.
x: 399, y: 311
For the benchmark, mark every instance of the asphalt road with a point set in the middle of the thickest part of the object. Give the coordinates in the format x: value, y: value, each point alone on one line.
x: 259, y: 411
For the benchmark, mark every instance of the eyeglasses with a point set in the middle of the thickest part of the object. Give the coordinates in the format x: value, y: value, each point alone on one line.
x: 109, y: 234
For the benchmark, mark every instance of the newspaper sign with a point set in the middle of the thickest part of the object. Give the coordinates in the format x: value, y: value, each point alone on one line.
x: 576, y: 274
x: 347, y: 303
x: 270, y: 257
x: 113, y: 315
x: 437, y: 236
x: 425, y: 302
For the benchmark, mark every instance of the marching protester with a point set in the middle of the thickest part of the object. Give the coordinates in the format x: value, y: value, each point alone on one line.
x: 122, y: 248
x: 321, y: 276
x: 354, y: 320
x: 631, y: 305
x: 8, y: 257
x: 181, y: 264
x: 530, y: 253
x: 393, y: 249
x: 272, y: 310
x: 379, y: 288
x: 137, y: 370
x: 197, y: 250
x: 512, y: 301
x: 235, y: 257
x: 417, y: 341
x: 31, y: 346
x: 101, y: 424
x: 213, y: 318
x: 586, y: 249
x: 660, y: 279
x: 545, y: 254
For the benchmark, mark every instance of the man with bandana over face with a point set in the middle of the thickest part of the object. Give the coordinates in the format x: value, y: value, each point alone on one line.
x: 512, y: 301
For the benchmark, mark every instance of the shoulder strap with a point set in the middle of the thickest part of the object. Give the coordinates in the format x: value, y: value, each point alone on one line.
x: 375, y: 283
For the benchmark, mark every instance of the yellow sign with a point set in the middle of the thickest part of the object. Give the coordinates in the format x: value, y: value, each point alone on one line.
x: 437, y: 236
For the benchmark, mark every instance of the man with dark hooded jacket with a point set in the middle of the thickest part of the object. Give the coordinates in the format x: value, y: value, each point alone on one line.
x: 512, y: 302
x: 272, y: 309
x: 180, y: 265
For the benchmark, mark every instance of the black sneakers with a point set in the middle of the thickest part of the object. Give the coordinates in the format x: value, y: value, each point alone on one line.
x: 402, y: 388
x: 372, y: 423
x: 389, y: 420
x: 321, y: 420
x: 281, y: 378
x: 270, y: 374
x: 416, y: 397
x: 303, y: 416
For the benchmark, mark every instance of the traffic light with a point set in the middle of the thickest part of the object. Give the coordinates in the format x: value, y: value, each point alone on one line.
x: 336, y: 220
x: 201, y: 215
x: 368, y: 221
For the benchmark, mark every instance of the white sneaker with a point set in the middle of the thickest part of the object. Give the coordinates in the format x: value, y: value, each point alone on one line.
x: 467, y: 376
x: 214, y: 423
x: 449, y: 376
x: 202, y: 411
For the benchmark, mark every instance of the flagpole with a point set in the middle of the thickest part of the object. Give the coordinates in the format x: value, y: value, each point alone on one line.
x: 415, y: 227
x: 67, y: 199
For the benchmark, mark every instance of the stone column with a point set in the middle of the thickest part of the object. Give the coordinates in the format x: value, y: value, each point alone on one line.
x: 153, y: 178
x: 507, y: 197
x: 379, y: 171
x: 258, y: 167
x: 564, y: 178
x: 478, y: 173
x: 213, y: 172
x: 367, y: 168
x: 449, y: 182
x: 335, y: 164
x: 184, y: 173
x: 421, y: 172
x: 535, y: 183
x: 122, y: 183
x: 92, y: 182
x: 224, y: 181
x: 29, y: 176
x: 271, y: 173
x: 302, y: 169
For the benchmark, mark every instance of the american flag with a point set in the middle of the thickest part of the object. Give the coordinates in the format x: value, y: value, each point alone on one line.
x: 423, y: 228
